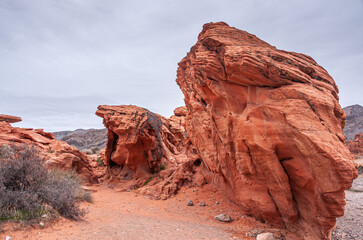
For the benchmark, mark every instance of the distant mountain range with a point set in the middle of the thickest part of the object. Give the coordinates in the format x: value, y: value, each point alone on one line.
x: 354, y: 122
x: 93, y: 139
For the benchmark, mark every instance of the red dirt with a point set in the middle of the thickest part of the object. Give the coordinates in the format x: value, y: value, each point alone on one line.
x: 128, y: 215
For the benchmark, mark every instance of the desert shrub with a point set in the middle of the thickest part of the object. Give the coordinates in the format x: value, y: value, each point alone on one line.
x: 84, y: 196
x: 61, y: 190
x: 28, y: 189
x: 100, y: 162
x: 21, y: 177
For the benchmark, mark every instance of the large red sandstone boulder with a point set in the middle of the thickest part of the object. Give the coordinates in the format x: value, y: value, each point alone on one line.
x: 146, y: 148
x: 356, y: 146
x: 269, y: 124
x: 58, y: 154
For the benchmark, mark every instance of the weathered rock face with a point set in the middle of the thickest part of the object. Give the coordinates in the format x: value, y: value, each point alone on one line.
x: 140, y: 144
x: 356, y: 146
x: 9, y: 119
x: 268, y: 122
x: 58, y: 154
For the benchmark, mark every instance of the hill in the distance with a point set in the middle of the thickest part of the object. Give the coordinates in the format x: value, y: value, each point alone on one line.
x: 354, y: 122
x: 94, y: 139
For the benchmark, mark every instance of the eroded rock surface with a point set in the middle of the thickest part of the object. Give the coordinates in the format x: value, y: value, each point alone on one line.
x: 268, y: 123
x: 58, y: 154
x: 147, y: 149
x: 9, y: 118
x: 356, y: 146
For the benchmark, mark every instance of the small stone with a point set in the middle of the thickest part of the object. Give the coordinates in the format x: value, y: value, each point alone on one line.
x: 128, y: 190
x: 223, y: 218
x: 41, y: 224
x: 190, y: 203
x: 7, y: 238
x: 93, y: 164
x: 202, y: 204
x: 194, y: 190
x: 254, y: 232
x: 44, y: 215
x: 217, y: 202
x: 265, y: 236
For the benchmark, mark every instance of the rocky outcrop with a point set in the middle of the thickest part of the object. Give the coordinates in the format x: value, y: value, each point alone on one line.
x: 58, y: 154
x: 354, y: 121
x: 84, y: 139
x: 356, y: 146
x: 9, y: 119
x: 147, y: 149
x: 268, y: 123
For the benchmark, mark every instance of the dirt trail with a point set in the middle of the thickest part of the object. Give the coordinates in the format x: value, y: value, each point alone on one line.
x: 349, y: 227
x: 128, y: 215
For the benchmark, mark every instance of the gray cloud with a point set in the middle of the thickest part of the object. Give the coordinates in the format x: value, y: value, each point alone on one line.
x: 60, y: 59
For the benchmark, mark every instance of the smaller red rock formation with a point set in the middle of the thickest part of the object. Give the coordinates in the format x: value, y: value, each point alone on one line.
x: 356, y: 146
x: 9, y: 119
x: 147, y: 148
x: 58, y: 154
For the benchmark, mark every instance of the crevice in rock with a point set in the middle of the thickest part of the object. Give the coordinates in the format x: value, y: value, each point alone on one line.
x: 197, y: 162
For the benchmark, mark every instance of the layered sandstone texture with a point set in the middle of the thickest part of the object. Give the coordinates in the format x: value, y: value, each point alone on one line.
x: 58, y: 154
x: 144, y: 148
x: 9, y: 118
x: 269, y: 124
x: 356, y: 146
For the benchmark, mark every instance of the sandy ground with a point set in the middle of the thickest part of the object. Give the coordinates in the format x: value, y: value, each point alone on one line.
x: 127, y: 215
x: 350, y: 226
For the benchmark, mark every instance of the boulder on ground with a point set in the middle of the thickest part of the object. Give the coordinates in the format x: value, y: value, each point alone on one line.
x: 58, y: 154
x: 147, y: 149
x: 268, y: 123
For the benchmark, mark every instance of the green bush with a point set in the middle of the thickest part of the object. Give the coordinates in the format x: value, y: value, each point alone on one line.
x: 100, y: 162
x: 28, y: 190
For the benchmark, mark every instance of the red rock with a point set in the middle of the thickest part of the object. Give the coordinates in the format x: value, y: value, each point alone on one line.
x: 140, y: 144
x: 9, y: 119
x: 58, y: 154
x: 180, y: 111
x: 356, y: 146
x: 268, y: 123
x: 93, y: 164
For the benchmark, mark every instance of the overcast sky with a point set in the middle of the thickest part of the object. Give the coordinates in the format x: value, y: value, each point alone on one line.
x: 60, y: 59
